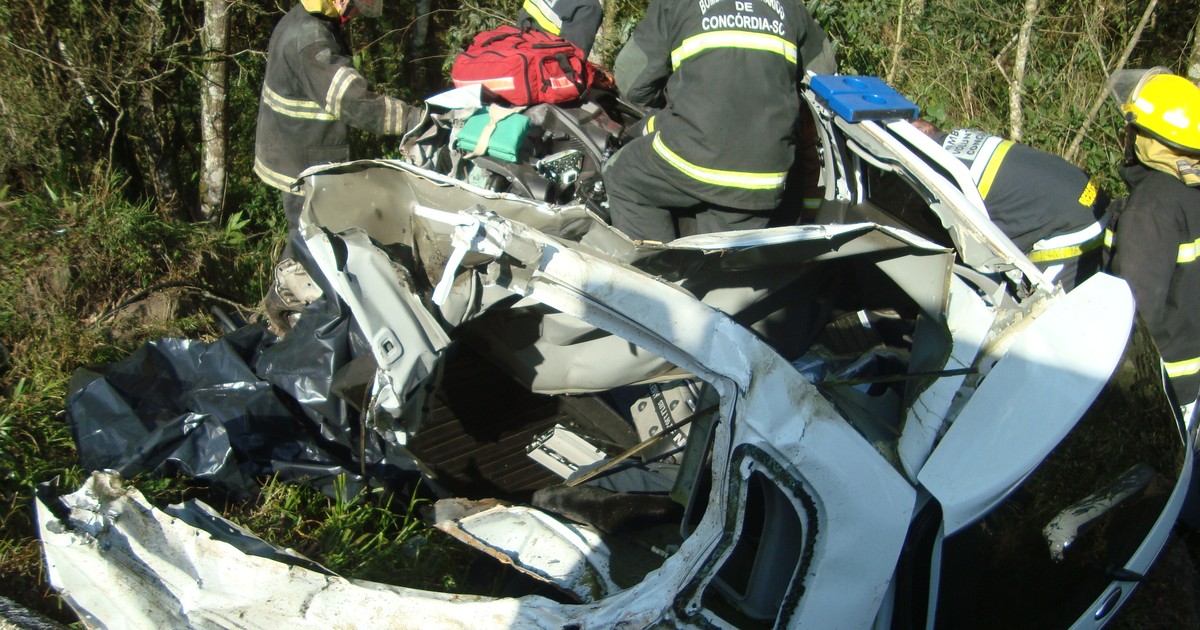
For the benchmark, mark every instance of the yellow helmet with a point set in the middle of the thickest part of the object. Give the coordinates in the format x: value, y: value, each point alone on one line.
x: 368, y: 8
x: 1161, y: 104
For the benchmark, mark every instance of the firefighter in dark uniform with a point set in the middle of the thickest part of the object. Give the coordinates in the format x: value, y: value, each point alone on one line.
x: 1155, y: 234
x: 576, y: 21
x: 1050, y: 209
x: 722, y: 75
x: 311, y: 96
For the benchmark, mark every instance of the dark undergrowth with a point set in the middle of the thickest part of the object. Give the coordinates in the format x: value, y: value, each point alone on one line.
x: 87, y: 278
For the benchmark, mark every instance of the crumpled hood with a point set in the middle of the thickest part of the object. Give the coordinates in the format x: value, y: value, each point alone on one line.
x: 1158, y: 156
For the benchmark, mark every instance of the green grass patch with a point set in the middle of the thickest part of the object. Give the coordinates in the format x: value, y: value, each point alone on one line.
x: 66, y: 261
x: 373, y: 535
x: 71, y: 264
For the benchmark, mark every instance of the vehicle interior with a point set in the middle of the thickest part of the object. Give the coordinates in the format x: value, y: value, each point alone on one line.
x: 516, y: 419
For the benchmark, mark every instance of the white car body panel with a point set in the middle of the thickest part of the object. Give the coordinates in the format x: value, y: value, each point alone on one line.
x: 1004, y: 366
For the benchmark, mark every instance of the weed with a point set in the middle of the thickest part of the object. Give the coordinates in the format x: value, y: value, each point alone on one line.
x: 235, y: 228
x: 362, y: 536
x: 66, y: 258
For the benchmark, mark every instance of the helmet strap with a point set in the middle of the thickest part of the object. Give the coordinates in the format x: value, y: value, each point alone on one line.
x: 1130, y: 142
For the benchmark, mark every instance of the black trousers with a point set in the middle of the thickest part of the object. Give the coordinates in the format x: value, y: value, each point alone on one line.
x: 646, y: 204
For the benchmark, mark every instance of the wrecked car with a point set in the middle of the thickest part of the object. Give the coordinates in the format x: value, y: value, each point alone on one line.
x: 888, y: 418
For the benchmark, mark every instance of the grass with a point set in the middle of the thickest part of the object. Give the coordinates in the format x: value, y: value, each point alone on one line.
x: 367, y: 536
x: 66, y: 261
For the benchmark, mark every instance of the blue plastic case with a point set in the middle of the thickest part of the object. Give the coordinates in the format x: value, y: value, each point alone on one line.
x: 859, y: 98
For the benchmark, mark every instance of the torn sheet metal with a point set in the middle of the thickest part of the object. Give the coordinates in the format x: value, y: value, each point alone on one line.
x: 801, y: 490
x: 563, y: 451
x: 765, y: 405
x: 121, y: 563
x: 980, y: 243
x: 465, y: 242
x: 408, y: 340
x: 568, y: 556
x: 1063, y: 361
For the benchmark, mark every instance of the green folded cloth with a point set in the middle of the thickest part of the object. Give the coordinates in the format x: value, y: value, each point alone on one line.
x: 505, y: 139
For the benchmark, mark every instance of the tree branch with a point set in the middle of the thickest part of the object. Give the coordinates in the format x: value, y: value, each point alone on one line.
x: 88, y: 96
x: 1017, y: 86
x: 1073, y: 150
x: 1000, y: 55
x: 898, y: 45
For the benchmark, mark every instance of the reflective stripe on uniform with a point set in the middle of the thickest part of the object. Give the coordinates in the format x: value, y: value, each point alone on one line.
x: 393, y: 119
x: 1072, y: 245
x: 543, y: 15
x: 342, y: 81
x: 729, y: 179
x: 1063, y: 253
x: 294, y: 108
x: 993, y: 167
x: 1188, y: 252
x: 732, y: 39
x: 274, y: 178
x: 650, y: 125
x: 1187, y: 367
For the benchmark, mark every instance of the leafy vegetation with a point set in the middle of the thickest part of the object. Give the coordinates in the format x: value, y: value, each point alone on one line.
x: 99, y: 154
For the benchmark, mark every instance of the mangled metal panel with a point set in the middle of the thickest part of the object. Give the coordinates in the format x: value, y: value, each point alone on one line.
x: 121, y: 563
x: 978, y: 241
x: 405, y: 339
x: 970, y: 321
x: 769, y: 280
x: 569, y: 556
x: 1031, y: 399
x: 764, y: 402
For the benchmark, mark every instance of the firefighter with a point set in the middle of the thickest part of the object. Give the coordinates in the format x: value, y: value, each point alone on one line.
x: 722, y: 77
x: 576, y: 21
x: 311, y: 96
x: 1051, y: 209
x: 1155, y: 236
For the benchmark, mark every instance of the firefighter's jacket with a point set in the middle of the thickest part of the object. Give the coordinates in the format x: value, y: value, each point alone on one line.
x: 1049, y: 207
x: 1155, y: 240
x: 724, y: 74
x: 311, y: 96
x: 576, y: 21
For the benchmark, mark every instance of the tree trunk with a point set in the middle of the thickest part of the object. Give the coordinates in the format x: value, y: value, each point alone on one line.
x: 214, y: 38
x: 898, y: 45
x: 150, y: 130
x: 1017, y: 84
x: 155, y: 157
x: 1193, y: 61
x: 419, y: 42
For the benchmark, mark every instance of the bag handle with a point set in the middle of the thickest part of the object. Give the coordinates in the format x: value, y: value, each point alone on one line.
x: 495, y: 38
x: 564, y: 62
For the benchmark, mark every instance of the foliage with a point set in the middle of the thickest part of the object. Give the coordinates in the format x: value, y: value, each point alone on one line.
x: 66, y: 260
x: 955, y: 61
